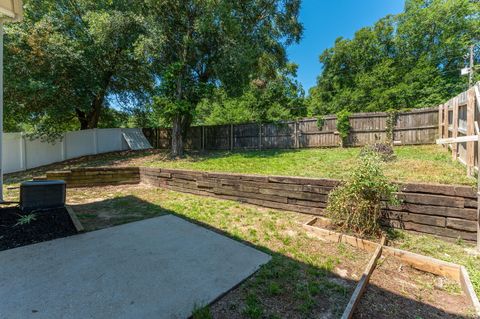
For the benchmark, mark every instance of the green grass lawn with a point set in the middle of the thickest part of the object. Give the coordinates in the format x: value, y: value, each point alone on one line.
x: 426, y: 163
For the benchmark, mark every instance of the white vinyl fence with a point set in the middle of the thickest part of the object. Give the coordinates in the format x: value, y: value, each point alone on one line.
x: 21, y: 153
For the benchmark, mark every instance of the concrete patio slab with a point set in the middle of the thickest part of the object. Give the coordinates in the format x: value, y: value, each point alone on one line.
x: 155, y: 268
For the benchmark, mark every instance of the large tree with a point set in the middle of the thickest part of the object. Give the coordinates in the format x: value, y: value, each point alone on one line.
x: 409, y: 60
x: 67, y: 60
x: 201, y: 45
x: 279, y: 98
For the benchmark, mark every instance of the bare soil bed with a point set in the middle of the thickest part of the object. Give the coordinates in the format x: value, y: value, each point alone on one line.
x: 46, y: 225
x: 396, y: 290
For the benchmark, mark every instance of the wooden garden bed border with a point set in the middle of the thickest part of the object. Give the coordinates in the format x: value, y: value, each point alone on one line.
x: 363, y: 282
x: 424, y: 263
x: 76, y: 222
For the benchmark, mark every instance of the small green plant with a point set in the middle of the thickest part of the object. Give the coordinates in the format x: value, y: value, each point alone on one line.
x: 274, y: 288
x: 253, y: 309
x: 355, y: 206
x: 320, y: 122
x: 201, y: 312
x: 343, y: 125
x: 26, y: 219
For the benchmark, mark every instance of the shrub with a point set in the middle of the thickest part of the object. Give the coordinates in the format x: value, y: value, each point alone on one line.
x: 320, y: 122
x: 384, y: 151
x: 355, y: 206
x: 343, y: 125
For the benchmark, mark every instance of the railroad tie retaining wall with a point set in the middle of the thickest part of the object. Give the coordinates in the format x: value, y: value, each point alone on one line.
x: 443, y: 210
x: 97, y: 176
x: 447, y: 211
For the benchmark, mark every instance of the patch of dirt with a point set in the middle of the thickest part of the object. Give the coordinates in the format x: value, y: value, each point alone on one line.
x: 46, y: 225
x: 399, y: 291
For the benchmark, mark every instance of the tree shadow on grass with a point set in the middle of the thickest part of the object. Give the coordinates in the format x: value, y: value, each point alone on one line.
x: 283, y: 288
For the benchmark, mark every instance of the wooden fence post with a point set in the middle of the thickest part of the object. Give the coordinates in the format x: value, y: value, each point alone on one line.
x: 445, y: 121
x: 440, y: 121
x: 203, y: 137
x: 470, y: 160
x: 297, y: 144
x: 455, y: 128
x: 475, y: 96
x: 231, y: 137
x: 260, y: 136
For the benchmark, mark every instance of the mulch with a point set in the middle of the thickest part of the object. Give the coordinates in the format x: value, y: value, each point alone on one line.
x: 47, y: 225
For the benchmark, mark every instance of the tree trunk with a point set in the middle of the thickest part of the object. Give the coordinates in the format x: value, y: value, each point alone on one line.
x: 90, y: 120
x: 94, y: 114
x: 177, y: 136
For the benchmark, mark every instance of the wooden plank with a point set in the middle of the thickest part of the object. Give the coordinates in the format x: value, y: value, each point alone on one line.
x: 417, y: 261
x: 470, y: 160
x: 424, y: 263
x: 461, y: 139
x: 445, y: 120
x: 76, y: 222
x: 467, y: 288
x: 362, y: 284
x: 440, y: 121
x: 455, y: 129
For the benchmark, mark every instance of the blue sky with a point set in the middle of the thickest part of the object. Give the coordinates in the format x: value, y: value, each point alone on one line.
x: 326, y: 20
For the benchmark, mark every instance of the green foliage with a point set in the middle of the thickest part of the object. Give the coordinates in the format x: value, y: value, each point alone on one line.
x: 66, y: 60
x: 355, y: 206
x: 201, y: 312
x: 407, y: 60
x: 280, y: 98
x: 196, y: 46
x: 253, y: 308
x: 26, y: 219
x: 320, y: 122
x: 343, y: 123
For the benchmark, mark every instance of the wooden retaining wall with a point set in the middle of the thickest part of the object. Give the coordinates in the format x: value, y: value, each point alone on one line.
x: 97, y: 176
x: 447, y: 211
x: 414, y: 127
x: 443, y: 210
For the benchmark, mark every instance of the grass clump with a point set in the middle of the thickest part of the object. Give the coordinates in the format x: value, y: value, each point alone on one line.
x: 201, y: 312
x: 355, y: 206
x: 384, y: 151
x: 253, y: 309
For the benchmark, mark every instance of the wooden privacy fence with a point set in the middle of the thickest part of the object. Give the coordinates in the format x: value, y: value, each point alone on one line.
x: 408, y: 128
x: 458, y: 118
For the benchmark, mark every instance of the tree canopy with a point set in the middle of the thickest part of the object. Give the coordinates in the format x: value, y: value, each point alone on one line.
x: 201, y: 46
x: 79, y: 64
x: 67, y: 57
x: 72, y: 59
x: 408, y: 60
